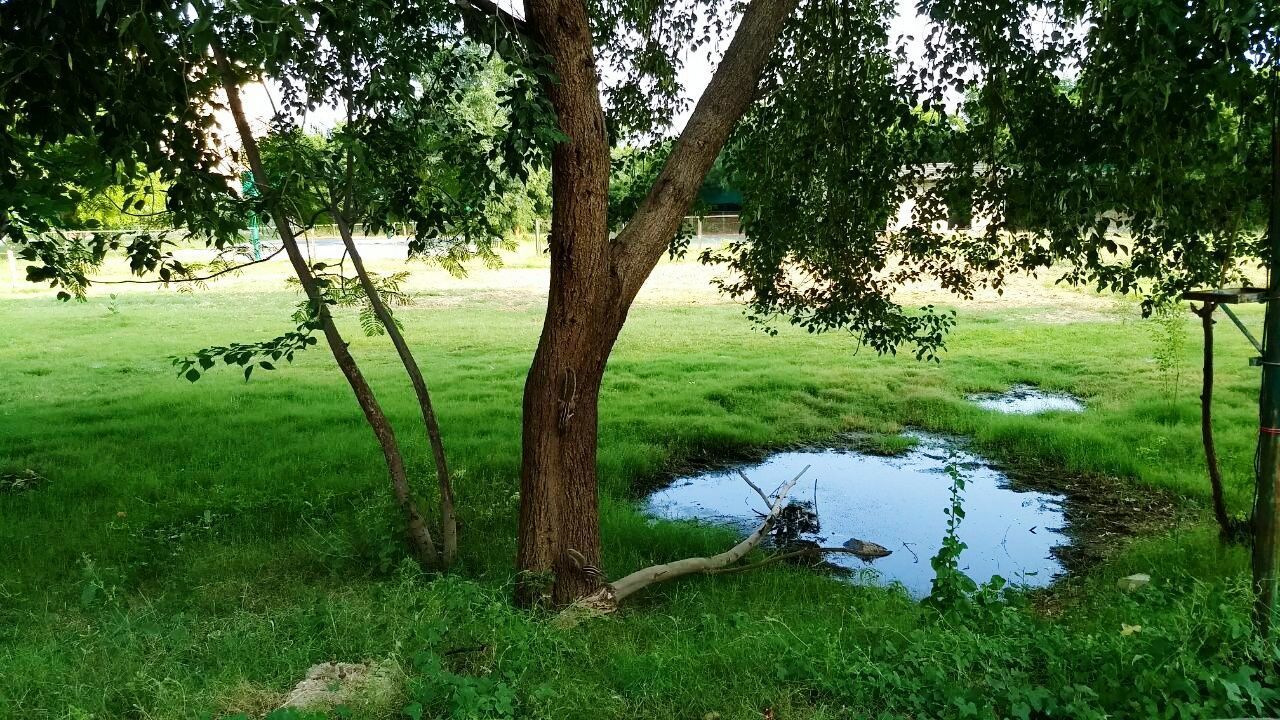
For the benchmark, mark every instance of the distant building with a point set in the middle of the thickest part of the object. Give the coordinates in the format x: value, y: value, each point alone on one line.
x: 960, y: 211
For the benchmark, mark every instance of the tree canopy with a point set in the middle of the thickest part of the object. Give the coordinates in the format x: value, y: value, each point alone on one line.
x: 1127, y: 140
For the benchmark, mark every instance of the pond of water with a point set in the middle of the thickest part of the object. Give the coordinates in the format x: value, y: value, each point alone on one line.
x: 1027, y: 400
x: 897, y: 502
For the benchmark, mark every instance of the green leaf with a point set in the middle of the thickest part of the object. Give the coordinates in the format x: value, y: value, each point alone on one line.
x: 101, y: 4
x: 193, y: 375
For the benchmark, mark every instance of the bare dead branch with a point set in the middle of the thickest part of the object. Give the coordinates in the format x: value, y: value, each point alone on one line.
x: 802, y: 552
x: 907, y: 545
x: 755, y: 487
x: 640, y: 579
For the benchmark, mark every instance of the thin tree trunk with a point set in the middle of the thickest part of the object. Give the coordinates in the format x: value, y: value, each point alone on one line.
x: 418, y: 536
x: 448, y: 517
x: 1206, y: 423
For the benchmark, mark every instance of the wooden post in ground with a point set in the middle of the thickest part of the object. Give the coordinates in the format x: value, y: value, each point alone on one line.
x: 1265, y: 519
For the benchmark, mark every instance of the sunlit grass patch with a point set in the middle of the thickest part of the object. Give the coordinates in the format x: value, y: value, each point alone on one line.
x: 198, y: 546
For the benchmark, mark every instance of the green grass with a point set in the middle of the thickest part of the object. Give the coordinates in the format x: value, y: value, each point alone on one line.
x: 198, y: 546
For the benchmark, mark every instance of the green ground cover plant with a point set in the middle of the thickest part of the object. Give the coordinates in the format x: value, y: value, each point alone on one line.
x: 194, y: 548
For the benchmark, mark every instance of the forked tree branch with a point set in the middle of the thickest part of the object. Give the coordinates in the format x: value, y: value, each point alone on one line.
x: 448, y: 510
x: 731, y: 91
x: 767, y: 500
x: 418, y: 535
x: 610, y: 595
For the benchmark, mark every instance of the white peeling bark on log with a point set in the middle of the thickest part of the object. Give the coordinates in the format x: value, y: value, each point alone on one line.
x: 641, y: 579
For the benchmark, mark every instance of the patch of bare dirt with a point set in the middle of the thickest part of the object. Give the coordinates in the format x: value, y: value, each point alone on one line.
x: 522, y: 282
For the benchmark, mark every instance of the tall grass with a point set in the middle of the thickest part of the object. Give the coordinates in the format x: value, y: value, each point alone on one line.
x: 197, y: 546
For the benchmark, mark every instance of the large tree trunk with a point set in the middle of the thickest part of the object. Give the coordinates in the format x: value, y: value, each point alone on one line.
x: 558, y: 485
x: 594, y: 279
x: 558, y: 497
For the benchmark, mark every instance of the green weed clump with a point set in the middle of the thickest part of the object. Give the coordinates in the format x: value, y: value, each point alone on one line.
x: 1182, y: 648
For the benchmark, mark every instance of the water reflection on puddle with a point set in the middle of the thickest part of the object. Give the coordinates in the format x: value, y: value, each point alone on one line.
x: 897, y: 502
x: 1027, y: 400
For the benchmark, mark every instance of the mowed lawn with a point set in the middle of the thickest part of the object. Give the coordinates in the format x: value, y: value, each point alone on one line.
x: 198, y: 546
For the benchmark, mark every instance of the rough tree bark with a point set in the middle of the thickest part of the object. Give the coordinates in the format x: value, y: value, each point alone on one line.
x: 558, y: 508
x: 594, y: 280
x: 417, y: 534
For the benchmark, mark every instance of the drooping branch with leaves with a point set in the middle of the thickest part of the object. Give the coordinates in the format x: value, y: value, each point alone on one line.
x: 1133, y: 147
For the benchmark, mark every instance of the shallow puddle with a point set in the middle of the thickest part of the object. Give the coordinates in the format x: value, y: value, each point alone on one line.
x: 1027, y: 400
x: 897, y: 502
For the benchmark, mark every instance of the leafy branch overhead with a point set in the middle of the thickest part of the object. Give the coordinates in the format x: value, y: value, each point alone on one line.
x: 820, y: 161
x: 1121, y: 145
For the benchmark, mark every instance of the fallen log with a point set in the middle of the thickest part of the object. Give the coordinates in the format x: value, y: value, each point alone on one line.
x: 611, y: 594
